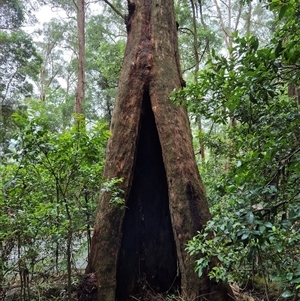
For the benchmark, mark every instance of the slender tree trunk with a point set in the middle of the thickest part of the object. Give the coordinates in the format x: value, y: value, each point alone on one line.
x: 197, y: 63
x: 201, y: 144
x: 249, y: 18
x: 141, y: 247
x: 294, y: 92
x: 81, y: 55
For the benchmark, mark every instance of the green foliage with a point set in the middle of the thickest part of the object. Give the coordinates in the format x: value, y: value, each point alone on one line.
x: 20, y: 64
x: 19, y: 60
x: 110, y: 69
x: 11, y: 14
x: 49, y: 190
x: 105, y: 46
x: 288, y: 31
x: 111, y: 187
x: 253, y: 165
x: 247, y: 243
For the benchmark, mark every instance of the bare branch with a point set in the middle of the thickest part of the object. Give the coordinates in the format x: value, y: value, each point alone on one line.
x: 186, y: 29
x: 238, y: 17
x: 226, y: 35
x: 189, y: 68
x: 205, y: 28
x: 114, y: 9
x: 75, y: 4
x: 225, y: 4
x: 205, y: 49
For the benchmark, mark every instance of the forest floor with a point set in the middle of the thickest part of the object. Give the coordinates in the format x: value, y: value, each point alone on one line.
x: 257, y: 294
x: 55, y: 288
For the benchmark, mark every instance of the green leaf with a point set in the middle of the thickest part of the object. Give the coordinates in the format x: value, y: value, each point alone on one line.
x: 283, y: 11
x: 262, y: 229
x: 213, y: 52
x: 254, y: 43
x: 250, y: 217
x: 245, y: 236
x: 268, y: 225
x: 287, y: 294
x: 289, y: 276
x: 278, y: 49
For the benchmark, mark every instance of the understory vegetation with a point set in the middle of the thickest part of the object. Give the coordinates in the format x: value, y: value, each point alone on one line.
x: 49, y: 190
x: 251, y: 99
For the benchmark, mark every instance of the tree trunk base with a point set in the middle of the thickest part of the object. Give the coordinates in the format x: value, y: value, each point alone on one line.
x: 87, y: 288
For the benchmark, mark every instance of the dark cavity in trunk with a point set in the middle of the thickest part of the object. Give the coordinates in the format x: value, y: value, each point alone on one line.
x: 147, y: 257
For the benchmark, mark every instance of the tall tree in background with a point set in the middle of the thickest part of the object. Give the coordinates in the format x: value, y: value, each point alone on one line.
x: 78, y: 8
x: 54, y: 62
x: 211, y: 25
x: 142, y: 246
x: 61, y: 69
x: 197, y: 65
x: 79, y: 97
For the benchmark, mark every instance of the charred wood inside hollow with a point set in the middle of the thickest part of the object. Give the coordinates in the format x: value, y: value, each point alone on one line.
x: 147, y: 257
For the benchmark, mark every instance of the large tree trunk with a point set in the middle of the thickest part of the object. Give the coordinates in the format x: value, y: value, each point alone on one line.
x: 142, y: 247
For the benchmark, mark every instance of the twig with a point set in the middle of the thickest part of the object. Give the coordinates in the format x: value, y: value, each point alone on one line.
x: 185, y: 29
x: 114, y: 9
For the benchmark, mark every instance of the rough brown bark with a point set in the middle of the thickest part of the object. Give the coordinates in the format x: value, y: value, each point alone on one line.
x: 143, y: 245
x: 81, y: 54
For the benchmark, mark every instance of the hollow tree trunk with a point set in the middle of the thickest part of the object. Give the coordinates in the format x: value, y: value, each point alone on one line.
x: 143, y: 245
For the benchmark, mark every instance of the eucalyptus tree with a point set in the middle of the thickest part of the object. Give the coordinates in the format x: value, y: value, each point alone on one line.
x: 195, y: 41
x: 56, y: 84
x: 140, y: 247
x: 93, y: 29
x: 79, y: 96
x: 196, y: 33
x: 76, y: 11
x: 52, y: 48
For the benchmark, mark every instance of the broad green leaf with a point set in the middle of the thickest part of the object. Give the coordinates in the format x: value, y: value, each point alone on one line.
x: 283, y: 10
x: 287, y: 294
x: 278, y: 49
x: 250, y: 217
